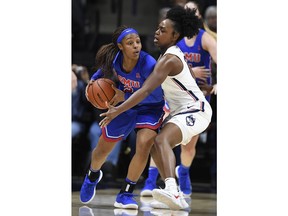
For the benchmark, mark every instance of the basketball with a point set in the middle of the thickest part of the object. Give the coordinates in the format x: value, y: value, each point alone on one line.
x: 99, y: 92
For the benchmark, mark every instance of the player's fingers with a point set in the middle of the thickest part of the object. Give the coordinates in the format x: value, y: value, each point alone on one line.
x: 104, y: 122
x: 204, y: 76
x: 113, y: 101
x: 108, y: 105
x: 205, y: 72
x: 103, y: 114
x: 90, y: 82
x: 202, y: 81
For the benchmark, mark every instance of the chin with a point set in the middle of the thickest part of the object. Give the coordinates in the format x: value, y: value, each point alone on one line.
x: 156, y: 43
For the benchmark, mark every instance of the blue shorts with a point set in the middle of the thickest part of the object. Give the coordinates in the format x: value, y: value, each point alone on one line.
x: 143, y: 116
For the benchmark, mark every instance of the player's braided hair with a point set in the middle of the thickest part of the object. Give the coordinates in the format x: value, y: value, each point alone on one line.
x: 186, y: 23
x: 106, y: 54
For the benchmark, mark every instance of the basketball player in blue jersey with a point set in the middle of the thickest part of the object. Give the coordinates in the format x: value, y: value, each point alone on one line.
x: 125, y: 63
x: 190, y: 111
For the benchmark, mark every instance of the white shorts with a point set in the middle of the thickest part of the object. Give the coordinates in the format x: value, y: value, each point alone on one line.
x: 192, y: 124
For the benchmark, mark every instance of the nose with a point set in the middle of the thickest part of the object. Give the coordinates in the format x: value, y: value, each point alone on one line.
x: 157, y: 31
x: 135, y: 44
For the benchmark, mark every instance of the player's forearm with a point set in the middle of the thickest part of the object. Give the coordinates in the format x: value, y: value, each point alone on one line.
x: 133, y: 100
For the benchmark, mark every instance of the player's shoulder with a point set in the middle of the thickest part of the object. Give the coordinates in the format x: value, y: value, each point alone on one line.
x: 170, y: 60
x: 146, y: 58
x: 207, y: 40
x: 145, y: 55
x: 206, y: 35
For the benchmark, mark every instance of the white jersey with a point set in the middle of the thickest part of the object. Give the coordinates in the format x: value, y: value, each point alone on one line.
x: 181, y: 91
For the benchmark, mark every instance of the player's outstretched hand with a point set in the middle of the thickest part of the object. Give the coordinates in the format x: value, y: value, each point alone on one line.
x: 109, y: 115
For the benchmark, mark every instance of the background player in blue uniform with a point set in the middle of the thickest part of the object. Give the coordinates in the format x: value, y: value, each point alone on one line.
x: 125, y: 63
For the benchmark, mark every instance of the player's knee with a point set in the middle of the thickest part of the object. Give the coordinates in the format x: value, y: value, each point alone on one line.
x: 143, y: 148
x: 160, y: 141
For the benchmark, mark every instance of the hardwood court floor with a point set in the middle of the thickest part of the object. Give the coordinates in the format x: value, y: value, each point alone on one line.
x: 202, y: 204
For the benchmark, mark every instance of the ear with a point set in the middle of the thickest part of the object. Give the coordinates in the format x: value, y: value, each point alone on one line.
x: 176, y: 35
x: 120, y: 46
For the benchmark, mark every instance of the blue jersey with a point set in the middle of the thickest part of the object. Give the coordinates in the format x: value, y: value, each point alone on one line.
x: 196, y: 55
x: 131, y: 82
x: 148, y: 113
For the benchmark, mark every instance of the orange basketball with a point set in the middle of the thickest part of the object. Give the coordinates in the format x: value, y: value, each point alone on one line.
x: 99, y: 92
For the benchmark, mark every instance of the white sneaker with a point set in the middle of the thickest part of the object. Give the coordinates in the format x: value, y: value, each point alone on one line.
x: 173, y: 199
x: 146, y: 200
x: 185, y: 205
x: 158, y: 205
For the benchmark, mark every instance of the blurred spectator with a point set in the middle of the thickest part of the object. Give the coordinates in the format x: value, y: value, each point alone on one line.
x: 85, y: 122
x: 81, y: 108
x: 210, y: 21
x: 210, y: 24
x: 179, y: 2
x: 74, y: 81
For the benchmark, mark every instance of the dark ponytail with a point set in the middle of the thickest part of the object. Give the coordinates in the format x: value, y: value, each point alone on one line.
x: 186, y: 23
